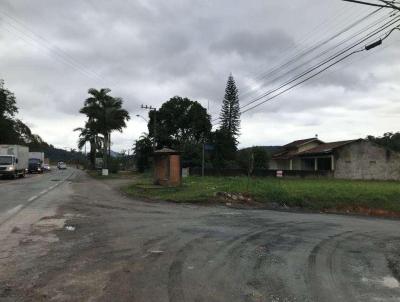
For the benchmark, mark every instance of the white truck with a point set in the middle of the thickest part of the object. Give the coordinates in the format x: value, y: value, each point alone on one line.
x: 14, y: 160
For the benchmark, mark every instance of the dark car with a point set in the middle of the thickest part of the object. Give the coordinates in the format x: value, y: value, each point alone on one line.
x: 35, y: 166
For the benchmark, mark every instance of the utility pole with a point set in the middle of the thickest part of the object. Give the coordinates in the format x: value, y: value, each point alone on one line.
x: 150, y: 108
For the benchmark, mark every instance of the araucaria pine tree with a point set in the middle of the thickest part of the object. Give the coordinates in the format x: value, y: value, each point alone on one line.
x: 230, y: 112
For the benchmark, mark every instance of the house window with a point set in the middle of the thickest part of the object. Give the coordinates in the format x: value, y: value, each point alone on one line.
x: 324, y: 164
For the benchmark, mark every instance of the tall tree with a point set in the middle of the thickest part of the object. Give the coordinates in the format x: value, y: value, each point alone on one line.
x: 8, y: 104
x: 181, y: 124
x: 107, y: 114
x: 179, y: 121
x: 224, y: 151
x: 8, y: 109
x: 89, y: 134
x: 230, y: 111
x: 143, y: 150
x: 389, y: 140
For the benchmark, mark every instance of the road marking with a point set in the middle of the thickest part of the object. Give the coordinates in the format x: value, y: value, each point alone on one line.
x: 32, y: 198
x: 14, y: 209
x: 19, y: 208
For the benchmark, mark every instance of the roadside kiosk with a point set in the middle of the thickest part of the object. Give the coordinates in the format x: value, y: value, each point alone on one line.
x: 167, y: 168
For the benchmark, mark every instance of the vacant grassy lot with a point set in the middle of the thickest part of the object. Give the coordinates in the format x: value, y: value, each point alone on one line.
x: 317, y: 194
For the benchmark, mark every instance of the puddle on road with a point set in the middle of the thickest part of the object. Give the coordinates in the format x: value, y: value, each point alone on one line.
x: 70, y: 228
x: 390, y: 282
x: 387, y: 281
x: 51, y: 223
x: 156, y: 251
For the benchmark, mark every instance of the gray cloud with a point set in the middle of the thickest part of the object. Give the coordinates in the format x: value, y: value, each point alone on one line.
x: 147, y: 52
x: 258, y: 45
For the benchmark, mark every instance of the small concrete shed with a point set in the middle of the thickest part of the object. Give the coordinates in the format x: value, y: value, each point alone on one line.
x: 167, y: 168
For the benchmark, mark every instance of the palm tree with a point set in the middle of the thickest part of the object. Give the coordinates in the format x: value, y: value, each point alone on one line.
x: 106, y: 114
x: 90, y: 135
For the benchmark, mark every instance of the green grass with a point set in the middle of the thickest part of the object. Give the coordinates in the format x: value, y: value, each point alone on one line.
x: 317, y: 194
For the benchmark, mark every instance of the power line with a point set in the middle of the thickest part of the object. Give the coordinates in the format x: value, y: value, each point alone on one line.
x: 315, y: 47
x: 390, y: 3
x: 316, y: 74
x: 308, y: 50
x: 287, y: 69
x: 377, y: 31
x: 303, y: 81
x: 35, y: 39
x: 338, y: 54
x: 367, y: 3
x: 288, y: 53
x: 320, y: 65
x: 316, y: 57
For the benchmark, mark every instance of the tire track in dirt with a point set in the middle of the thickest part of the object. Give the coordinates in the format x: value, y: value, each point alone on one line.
x: 324, y: 270
x: 175, y: 287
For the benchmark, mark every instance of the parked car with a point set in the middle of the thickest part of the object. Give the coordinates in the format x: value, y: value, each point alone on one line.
x: 61, y: 165
x: 46, y: 167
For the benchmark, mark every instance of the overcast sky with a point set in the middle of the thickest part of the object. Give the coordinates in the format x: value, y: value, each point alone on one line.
x: 52, y: 51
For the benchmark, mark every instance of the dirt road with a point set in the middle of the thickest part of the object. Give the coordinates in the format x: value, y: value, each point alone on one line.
x: 83, y: 241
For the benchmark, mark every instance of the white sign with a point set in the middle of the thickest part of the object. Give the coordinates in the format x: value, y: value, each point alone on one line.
x: 185, y: 172
x: 279, y: 174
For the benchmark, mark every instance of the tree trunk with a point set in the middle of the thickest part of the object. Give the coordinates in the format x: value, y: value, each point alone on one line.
x: 109, y: 145
x: 92, y: 154
x: 105, y: 147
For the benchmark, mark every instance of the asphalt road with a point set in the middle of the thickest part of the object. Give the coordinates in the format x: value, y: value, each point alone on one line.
x: 16, y: 194
x: 87, y: 242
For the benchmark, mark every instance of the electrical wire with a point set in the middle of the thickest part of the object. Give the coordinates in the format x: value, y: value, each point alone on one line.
x: 287, y: 54
x: 322, y: 64
x: 314, y: 75
x: 37, y: 40
x: 342, y: 42
x: 390, y: 23
x: 316, y: 46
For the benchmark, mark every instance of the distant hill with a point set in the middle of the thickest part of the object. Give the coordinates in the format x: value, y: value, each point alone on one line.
x: 115, y: 154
